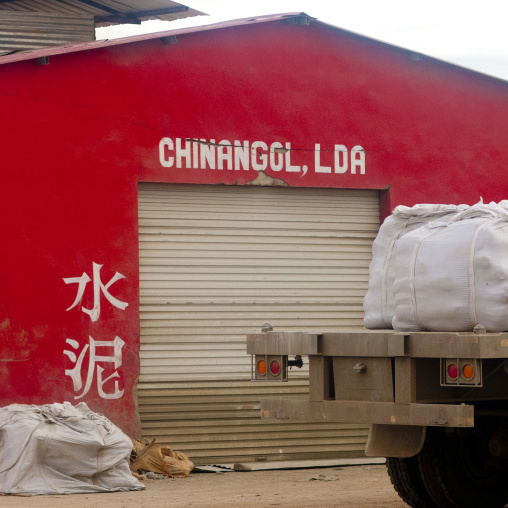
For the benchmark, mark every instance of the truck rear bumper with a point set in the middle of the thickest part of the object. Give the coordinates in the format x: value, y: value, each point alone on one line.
x: 435, y: 415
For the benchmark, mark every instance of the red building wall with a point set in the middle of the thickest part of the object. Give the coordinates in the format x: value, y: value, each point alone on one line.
x: 77, y: 135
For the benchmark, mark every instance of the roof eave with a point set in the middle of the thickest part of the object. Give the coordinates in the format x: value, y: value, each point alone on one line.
x: 72, y: 48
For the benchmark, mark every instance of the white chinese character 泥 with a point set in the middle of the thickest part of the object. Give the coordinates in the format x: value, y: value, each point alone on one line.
x: 93, y: 359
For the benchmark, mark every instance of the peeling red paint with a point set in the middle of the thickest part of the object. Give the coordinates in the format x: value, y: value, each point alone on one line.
x: 265, y: 180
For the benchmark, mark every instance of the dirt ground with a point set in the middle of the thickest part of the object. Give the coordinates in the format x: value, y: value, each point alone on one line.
x: 348, y: 487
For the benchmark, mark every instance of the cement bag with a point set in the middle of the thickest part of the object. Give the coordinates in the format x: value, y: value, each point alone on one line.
x: 151, y: 457
x: 379, y: 303
x: 453, y: 276
x: 62, y: 449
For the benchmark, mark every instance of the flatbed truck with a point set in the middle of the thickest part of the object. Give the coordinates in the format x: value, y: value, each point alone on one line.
x: 436, y: 403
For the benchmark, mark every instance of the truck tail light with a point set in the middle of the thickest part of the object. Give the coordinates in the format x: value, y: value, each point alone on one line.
x: 269, y: 368
x: 261, y: 367
x: 453, y: 371
x: 274, y: 367
x: 461, y: 372
x: 468, y: 371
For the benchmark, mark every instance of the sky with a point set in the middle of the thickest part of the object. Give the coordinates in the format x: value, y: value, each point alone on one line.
x: 470, y: 33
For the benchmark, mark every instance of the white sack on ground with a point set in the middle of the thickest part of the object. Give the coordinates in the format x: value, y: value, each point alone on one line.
x: 453, y: 276
x: 379, y: 303
x: 62, y: 449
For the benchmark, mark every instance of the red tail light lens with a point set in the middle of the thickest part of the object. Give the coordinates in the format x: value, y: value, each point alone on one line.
x: 453, y: 371
x: 275, y: 367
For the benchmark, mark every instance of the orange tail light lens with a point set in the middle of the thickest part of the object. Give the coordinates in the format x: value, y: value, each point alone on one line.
x: 261, y: 367
x: 468, y: 371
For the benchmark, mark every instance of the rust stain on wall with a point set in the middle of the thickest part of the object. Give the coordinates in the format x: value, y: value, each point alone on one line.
x: 17, y: 343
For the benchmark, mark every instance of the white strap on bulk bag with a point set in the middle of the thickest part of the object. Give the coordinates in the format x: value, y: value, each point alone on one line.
x: 385, y: 288
x: 472, y: 279
x: 376, y: 299
x: 435, y: 228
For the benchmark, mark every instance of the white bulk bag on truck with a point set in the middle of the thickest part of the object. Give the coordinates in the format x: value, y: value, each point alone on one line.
x: 379, y: 303
x: 453, y: 276
x: 62, y: 449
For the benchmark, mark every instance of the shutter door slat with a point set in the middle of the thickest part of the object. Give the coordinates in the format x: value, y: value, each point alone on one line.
x: 216, y: 263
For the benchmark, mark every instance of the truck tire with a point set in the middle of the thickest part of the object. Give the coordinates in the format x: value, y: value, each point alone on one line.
x: 428, y: 459
x: 459, y: 471
x: 408, y: 483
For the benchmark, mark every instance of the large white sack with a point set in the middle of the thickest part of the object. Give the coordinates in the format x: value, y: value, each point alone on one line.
x: 62, y: 449
x: 379, y: 303
x: 453, y: 276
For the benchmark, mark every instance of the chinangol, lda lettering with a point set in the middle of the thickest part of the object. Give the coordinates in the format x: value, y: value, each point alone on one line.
x: 192, y: 153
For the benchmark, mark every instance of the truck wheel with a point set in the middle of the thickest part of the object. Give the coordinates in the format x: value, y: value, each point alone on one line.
x: 407, y: 481
x: 428, y: 460
x: 459, y: 471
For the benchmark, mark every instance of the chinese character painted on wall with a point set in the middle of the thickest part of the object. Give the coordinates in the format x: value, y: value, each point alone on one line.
x: 98, y: 287
x: 94, y: 359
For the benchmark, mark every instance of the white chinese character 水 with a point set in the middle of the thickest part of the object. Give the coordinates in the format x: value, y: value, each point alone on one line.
x: 98, y: 287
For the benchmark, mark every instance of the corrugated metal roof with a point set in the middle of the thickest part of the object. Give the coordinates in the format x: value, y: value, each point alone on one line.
x: 105, y: 12
x: 296, y: 17
x: 85, y: 46
x: 26, y: 31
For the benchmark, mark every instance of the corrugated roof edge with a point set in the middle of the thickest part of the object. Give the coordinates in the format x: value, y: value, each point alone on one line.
x: 86, y: 46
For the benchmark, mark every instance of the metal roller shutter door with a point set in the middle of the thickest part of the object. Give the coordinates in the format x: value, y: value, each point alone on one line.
x: 217, y: 262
